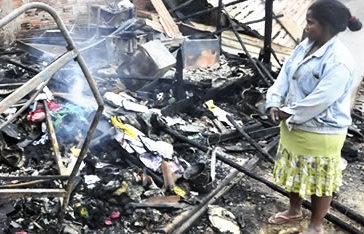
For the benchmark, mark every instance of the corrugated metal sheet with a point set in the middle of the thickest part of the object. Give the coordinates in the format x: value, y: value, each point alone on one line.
x: 293, y: 20
x: 286, y: 30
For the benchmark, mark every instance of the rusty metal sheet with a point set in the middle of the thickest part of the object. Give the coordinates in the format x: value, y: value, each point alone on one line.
x: 201, y: 52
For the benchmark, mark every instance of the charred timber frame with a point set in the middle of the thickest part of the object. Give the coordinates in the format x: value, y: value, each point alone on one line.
x: 267, y: 77
x: 266, y: 51
x: 268, y: 33
x: 246, y: 169
x: 41, y: 79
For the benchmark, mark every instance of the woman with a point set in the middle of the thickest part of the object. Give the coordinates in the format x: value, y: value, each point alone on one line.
x: 312, y: 98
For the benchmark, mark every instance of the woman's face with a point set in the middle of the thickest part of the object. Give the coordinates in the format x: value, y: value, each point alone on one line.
x: 314, y: 29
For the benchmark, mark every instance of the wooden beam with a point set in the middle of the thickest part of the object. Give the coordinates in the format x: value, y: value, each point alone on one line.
x: 166, y: 19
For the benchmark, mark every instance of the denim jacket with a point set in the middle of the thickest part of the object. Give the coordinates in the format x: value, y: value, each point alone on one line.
x: 316, y: 90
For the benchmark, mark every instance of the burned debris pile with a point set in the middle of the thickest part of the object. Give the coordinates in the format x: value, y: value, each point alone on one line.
x: 178, y: 112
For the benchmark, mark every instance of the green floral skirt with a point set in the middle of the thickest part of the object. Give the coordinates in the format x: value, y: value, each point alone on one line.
x: 308, y: 163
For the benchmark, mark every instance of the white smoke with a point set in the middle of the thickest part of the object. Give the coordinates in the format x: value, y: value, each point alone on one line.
x: 8, y: 32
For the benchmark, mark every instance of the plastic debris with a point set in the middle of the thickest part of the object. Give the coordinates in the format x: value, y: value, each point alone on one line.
x: 219, y: 113
x: 223, y: 220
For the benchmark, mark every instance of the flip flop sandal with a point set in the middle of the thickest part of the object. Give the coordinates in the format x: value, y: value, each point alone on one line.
x: 280, y: 218
x: 321, y: 232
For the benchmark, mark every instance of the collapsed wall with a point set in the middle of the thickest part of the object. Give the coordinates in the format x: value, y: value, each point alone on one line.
x: 70, y: 11
x: 8, y: 32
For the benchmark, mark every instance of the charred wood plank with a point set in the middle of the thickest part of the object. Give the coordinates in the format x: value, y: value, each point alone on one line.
x: 232, y: 134
x: 23, y: 184
x: 347, y: 211
x: 265, y: 155
x: 176, y: 9
x: 229, y: 87
x: 267, y: 77
x: 7, y: 59
x: 343, y: 224
x: 21, y: 193
x: 208, y: 10
x: 185, y: 220
x: 166, y: 20
x: 28, y: 178
x: 181, y: 106
x: 266, y: 50
x: 222, y: 157
x: 264, y: 133
x: 52, y: 134
x: 160, y: 202
x: 356, y: 115
x: 246, y: 28
x: 272, y: 144
x: 179, y: 87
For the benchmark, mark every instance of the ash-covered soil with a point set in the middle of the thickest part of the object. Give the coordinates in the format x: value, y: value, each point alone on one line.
x: 252, y: 203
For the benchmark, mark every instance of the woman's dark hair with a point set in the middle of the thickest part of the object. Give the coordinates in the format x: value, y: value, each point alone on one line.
x: 334, y: 15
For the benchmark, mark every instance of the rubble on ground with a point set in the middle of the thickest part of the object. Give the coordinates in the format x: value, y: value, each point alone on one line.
x: 178, y: 112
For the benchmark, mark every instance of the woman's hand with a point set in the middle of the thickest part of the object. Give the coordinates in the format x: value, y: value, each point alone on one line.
x: 283, y: 115
x: 277, y: 115
x: 274, y: 114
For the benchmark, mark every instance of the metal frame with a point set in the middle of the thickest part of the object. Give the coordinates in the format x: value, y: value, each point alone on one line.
x: 37, y: 83
x: 267, y: 49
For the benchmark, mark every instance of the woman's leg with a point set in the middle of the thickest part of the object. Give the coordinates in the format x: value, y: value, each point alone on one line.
x: 295, y: 205
x: 320, y: 207
x: 292, y: 213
